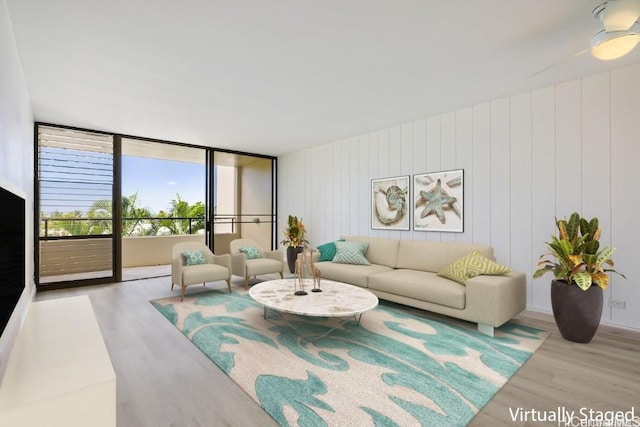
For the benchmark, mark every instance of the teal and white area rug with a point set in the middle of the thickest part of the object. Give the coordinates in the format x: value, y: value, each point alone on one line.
x: 397, y: 368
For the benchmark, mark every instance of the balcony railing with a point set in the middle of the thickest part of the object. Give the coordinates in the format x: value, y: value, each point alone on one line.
x: 60, y: 228
x: 83, y: 245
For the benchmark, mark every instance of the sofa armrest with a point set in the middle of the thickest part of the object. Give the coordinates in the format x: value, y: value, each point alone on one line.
x: 494, y: 300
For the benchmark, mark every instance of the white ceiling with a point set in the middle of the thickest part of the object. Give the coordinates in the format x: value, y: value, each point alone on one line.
x: 271, y: 77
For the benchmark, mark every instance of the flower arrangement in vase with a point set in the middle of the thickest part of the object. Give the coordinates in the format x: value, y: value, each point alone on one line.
x: 294, y: 240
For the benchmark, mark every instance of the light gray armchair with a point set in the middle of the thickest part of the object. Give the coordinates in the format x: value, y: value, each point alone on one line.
x: 270, y: 262
x: 217, y: 267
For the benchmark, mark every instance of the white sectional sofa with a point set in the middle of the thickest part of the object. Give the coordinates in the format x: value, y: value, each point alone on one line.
x: 405, y: 272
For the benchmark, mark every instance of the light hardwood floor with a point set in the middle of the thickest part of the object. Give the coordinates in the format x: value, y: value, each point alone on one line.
x: 164, y: 380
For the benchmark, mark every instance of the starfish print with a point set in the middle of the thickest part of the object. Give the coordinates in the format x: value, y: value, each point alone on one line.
x: 435, y: 200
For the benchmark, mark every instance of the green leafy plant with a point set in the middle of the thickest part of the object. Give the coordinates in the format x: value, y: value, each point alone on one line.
x: 294, y: 233
x: 576, y: 256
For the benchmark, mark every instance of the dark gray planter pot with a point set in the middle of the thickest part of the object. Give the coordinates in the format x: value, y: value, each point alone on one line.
x: 292, y: 255
x: 577, y: 312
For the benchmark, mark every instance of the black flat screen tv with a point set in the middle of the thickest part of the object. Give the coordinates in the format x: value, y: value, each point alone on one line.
x: 12, y: 252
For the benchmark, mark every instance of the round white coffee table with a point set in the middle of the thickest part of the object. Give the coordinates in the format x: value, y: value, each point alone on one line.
x: 336, y: 300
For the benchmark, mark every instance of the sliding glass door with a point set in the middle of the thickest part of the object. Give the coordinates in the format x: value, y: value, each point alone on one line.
x: 243, y: 199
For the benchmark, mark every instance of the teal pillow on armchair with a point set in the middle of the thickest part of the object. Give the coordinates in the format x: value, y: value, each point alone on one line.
x: 251, y: 252
x: 193, y: 257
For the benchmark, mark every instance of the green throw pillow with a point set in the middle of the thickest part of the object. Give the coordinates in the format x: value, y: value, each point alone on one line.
x: 328, y: 251
x: 194, y: 257
x: 470, y: 266
x: 251, y: 252
x: 351, y: 253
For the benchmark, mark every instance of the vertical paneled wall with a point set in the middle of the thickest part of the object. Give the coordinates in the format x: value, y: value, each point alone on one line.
x: 527, y: 159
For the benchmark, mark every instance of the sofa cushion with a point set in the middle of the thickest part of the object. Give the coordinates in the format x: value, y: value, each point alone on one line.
x: 434, y: 256
x: 380, y: 251
x: 472, y: 265
x: 349, y: 273
x: 420, y: 285
x: 351, y: 253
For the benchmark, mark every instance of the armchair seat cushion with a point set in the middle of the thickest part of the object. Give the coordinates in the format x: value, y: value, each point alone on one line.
x: 263, y: 266
x: 202, y: 273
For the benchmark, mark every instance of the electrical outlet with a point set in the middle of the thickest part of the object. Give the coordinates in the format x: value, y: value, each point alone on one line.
x: 614, y: 303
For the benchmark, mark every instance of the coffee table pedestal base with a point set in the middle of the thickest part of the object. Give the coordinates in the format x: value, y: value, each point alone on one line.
x: 356, y: 318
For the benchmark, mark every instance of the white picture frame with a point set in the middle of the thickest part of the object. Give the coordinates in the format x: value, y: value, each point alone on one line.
x: 438, y: 201
x: 390, y: 209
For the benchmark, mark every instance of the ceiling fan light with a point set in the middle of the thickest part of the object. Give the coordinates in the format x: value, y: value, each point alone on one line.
x: 614, y: 44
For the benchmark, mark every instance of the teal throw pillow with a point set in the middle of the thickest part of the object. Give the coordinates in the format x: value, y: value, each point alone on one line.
x: 194, y: 257
x: 328, y: 251
x: 351, y: 253
x: 251, y: 252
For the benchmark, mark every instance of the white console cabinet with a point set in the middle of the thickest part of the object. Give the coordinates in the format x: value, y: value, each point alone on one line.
x: 59, y: 372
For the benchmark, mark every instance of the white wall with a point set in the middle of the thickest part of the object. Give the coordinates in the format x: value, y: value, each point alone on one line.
x: 528, y: 158
x: 16, y: 157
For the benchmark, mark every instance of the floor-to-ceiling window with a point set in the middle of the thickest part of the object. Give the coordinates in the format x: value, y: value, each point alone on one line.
x: 108, y: 202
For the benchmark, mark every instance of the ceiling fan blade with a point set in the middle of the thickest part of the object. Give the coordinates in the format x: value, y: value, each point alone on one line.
x: 620, y: 15
x: 568, y: 58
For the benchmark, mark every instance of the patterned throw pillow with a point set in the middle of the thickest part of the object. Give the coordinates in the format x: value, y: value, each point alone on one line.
x: 470, y: 266
x: 328, y: 250
x: 194, y: 257
x: 351, y: 253
x: 251, y: 252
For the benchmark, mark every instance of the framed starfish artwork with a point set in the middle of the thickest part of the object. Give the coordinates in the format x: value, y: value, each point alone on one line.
x: 438, y: 202
x: 390, y: 203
